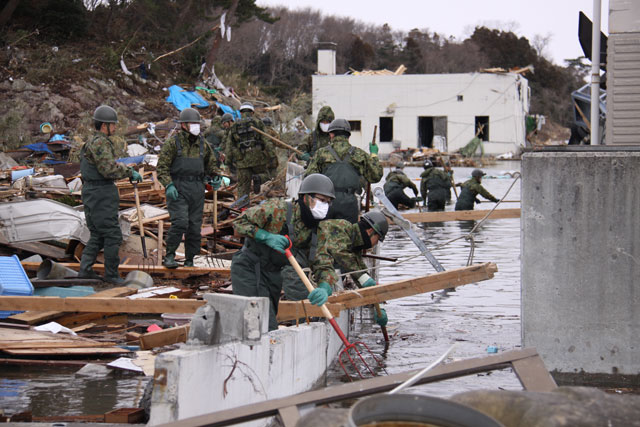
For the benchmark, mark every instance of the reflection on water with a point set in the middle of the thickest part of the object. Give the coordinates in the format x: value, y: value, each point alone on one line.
x: 475, y: 316
x: 421, y: 327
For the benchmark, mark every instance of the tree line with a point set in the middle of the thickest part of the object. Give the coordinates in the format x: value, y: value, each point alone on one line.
x: 275, y: 48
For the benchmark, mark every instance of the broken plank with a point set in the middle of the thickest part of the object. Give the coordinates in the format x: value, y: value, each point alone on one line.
x: 32, y: 317
x: 419, y: 285
x: 164, y: 337
x: 53, y: 344
x: 101, y: 305
x: 472, y: 215
x: 289, y: 310
x: 67, y: 351
x: 175, y: 273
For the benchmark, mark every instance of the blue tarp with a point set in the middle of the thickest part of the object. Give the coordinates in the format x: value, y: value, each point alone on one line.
x: 39, y: 146
x: 227, y: 109
x: 53, y: 162
x: 58, y: 137
x: 184, y: 99
x: 136, y: 160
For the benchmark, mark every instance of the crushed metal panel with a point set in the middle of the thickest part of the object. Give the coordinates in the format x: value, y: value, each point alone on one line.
x: 38, y: 220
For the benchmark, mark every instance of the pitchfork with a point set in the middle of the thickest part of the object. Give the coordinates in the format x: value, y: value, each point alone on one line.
x: 325, y: 311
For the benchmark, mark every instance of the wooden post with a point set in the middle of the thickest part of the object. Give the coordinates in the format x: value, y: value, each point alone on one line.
x: 160, y: 246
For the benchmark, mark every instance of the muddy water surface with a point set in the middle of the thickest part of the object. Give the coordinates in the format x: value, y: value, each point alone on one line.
x: 422, y: 327
x: 475, y: 316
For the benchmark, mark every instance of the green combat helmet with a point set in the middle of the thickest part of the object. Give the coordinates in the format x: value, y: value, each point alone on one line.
x: 316, y: 183
x: 340, y: 125
x: 105, y: 114
x: 227, y: 117
x: 477, y: 173
x: 189, y: 115
x: 377, y: 221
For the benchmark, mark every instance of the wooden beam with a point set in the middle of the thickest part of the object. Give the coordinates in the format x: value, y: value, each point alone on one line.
x: 290, y: 310
x: 461, y: 215
x: 101, y: 305
x: 175, y: 273
x: 164, y: 337
x: 33, y: 317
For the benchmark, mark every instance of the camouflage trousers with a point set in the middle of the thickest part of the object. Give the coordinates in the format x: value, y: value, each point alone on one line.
x: 247, y: 176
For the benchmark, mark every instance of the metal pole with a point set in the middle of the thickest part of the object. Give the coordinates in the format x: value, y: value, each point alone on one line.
x: 595, y: 74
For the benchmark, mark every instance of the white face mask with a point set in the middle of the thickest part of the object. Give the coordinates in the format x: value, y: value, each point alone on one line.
x: 319, y: 211
x: 194, y: 129
x: 324, y: 127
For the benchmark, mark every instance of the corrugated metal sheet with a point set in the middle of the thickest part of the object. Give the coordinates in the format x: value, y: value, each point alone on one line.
x: 623, y: 87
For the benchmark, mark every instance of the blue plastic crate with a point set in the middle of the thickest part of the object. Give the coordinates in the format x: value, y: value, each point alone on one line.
x: 13, y: 280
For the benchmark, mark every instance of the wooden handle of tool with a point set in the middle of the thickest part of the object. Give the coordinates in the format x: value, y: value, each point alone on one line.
x: 140, y: 223
x: 305, y: 280
x: 215, y: 211
x: 280, y: 143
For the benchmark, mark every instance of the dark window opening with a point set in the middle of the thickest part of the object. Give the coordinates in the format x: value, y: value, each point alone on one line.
x: 356, y: 125
x: 482, y: 127
x: 460, y: 98
x: 386, y: 129
x: 432, y: 132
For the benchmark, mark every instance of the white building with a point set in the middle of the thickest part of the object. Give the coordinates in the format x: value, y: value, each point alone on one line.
x: 443, y: 111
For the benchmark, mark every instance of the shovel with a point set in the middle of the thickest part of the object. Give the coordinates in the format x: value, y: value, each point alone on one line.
x: 325, y: 311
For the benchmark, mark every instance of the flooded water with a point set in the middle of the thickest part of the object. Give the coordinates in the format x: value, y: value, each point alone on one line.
x: 421, y: 327
x: 475, y: 316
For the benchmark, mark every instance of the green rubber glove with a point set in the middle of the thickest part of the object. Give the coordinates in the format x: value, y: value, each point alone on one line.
x: 135, y: 176
x: 373, y: 148
x: 306, y: 157
x: 216, y: 182
x: 383, y: 320
x: 320, y: 294
x: 274, y: 241
x: 171, y: 192
x: 369, y: 282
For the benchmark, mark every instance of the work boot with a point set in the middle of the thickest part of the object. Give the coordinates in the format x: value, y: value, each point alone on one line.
x: 114, y: 280
x: 169, y: 260
x: 188, y: 263
x: 88, y: 274
x: 256, y: 183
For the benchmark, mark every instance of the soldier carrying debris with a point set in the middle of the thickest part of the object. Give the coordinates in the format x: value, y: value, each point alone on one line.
x: 100, y: 197
x: 183, y: 164
x: 470, y: 190
x: 394, y: 187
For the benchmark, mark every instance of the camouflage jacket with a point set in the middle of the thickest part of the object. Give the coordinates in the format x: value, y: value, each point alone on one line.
x: 190, y: 148
x: 271, y: 216
x: 318, y: 139
x: 475, y: 188
x: 401, y: 180
x: 216, y: 134
x: 433, y: 179
x: 336, y: 240
x: 101, y: 153
x: 258, y: 152
x: 367, y: 166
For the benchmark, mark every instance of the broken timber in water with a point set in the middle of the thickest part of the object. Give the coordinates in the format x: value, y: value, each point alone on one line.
x: 472, y: 215
x: 287, y: 310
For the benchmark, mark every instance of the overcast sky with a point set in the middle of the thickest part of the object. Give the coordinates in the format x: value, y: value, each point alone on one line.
x: 457, y: 18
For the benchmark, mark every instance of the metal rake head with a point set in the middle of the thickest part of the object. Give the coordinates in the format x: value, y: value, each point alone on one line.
x: 352, y: 356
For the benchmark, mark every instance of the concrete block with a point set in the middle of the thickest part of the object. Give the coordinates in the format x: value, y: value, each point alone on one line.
x: 581, y: 260
x: 228, y: 318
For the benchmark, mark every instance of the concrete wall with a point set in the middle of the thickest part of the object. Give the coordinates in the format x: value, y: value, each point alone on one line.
x: 623, y: 73
x: 191, y: 381
x: 502, y: 97
x: 581, y: 260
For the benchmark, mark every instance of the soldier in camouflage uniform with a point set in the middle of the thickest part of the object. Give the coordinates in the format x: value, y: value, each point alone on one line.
x: 250, y: 152
x: 341, y: 243
x: 183, y: 164
x: 256, y: 268
x: 470, y: 190
x: 435, y: 187
x: 216, y: 135
x: 320, y: 136
x: 348, y: 167
x: 268, y: 128
x: 394, y: 187
x: 100, y: 197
